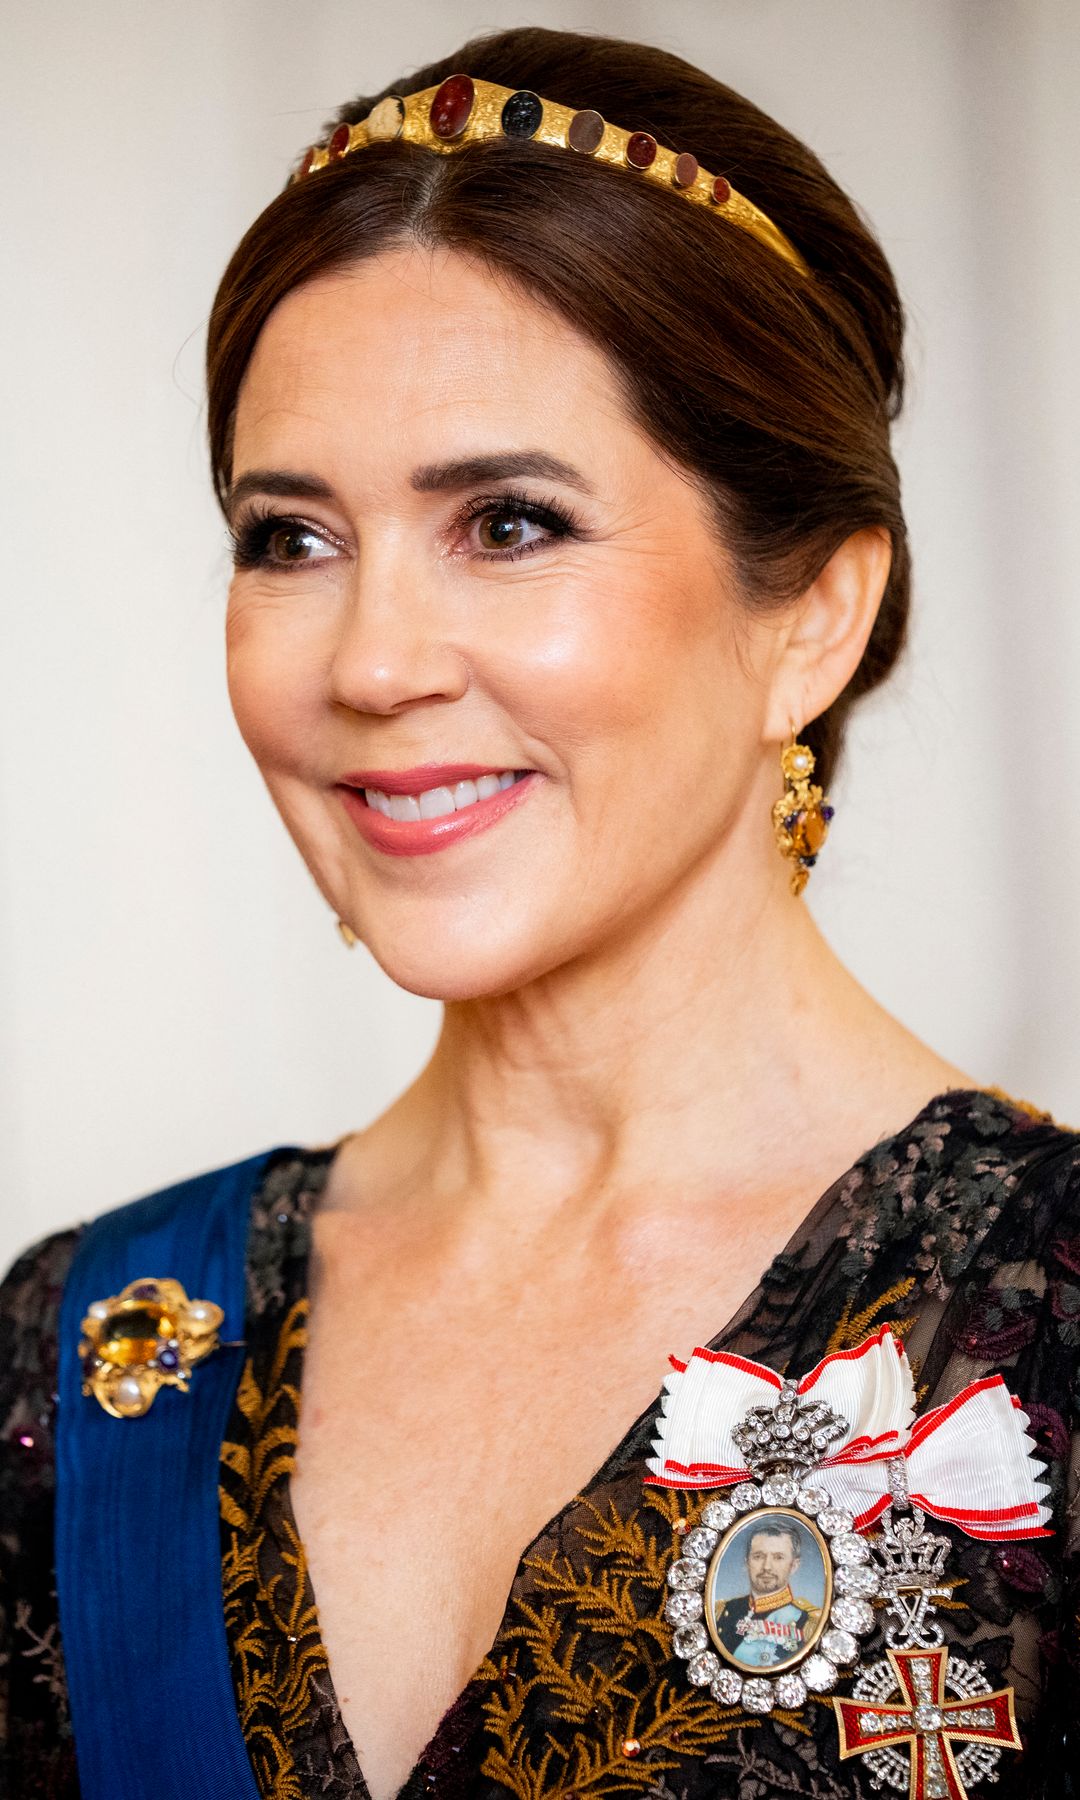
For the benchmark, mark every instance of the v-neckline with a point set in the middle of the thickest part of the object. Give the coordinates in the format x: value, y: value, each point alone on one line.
x: 780, y: 1264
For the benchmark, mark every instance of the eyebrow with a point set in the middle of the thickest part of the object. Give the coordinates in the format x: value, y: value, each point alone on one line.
x: 502, y: 465
x: 429, y: 478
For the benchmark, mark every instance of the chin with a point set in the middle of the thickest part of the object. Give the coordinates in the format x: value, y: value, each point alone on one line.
x: 425, y: 972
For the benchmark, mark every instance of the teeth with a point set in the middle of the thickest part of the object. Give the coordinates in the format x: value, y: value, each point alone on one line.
x: 433, y: 803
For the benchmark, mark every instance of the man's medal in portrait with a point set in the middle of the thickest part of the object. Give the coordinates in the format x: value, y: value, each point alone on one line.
x: 816, y: 1539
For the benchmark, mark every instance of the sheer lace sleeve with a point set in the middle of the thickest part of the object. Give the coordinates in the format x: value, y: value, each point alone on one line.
x: 37, y: 1755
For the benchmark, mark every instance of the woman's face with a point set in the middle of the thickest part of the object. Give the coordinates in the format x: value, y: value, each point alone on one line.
x: 456, y: 547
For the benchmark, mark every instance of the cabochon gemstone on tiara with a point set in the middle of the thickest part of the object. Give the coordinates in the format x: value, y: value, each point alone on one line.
x: 586, y: 130
x: 385, y: 120
x: 522, y: 114
x: 721, y: 190
x: 641, y: 149
x: 451, y: 105
x: 339, y: 143
x: 686, y: 170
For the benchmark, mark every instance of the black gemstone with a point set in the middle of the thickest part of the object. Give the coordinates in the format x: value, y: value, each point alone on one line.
x: 791, y: 821
x: 808, y: 861
x: 522, y: 114
x: 827, y: 813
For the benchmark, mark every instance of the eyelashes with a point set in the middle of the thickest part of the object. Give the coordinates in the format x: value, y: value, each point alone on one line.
x: 253, y: 536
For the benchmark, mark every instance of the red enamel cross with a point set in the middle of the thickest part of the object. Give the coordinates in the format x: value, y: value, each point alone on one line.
x: 927, y: 1723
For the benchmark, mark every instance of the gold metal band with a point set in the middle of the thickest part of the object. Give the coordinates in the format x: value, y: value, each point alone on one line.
x: 485, y: 109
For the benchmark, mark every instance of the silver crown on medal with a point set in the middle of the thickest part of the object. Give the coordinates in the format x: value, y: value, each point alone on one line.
x: 776, y: 1586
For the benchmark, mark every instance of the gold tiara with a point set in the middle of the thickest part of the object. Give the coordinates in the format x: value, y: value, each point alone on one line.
x: 461, y: 111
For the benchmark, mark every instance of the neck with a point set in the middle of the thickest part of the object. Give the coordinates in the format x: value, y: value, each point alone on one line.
x: 666, y: 1055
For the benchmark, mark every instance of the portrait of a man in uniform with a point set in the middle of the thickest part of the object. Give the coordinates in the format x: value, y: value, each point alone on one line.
x: 781, y: 1571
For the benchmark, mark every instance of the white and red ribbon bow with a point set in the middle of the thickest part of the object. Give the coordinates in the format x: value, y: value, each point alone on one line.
x: 969, y: 1462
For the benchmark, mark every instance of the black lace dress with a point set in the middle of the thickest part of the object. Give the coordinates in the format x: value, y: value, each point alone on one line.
x: 962, y: 1231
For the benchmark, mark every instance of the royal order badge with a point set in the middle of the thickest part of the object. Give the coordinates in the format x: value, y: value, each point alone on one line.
x: 777, y: 1586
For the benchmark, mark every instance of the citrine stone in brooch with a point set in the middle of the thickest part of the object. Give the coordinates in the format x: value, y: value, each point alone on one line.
x: 142, y: 1339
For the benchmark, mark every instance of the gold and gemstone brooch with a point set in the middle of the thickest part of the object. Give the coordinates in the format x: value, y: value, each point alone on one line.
x: 142, y: 1339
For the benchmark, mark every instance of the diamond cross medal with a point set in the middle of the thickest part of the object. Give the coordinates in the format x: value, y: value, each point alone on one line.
x: 914, y: 1736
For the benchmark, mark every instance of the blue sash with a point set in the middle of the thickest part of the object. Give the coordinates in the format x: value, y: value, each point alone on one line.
x: 138, y: 1546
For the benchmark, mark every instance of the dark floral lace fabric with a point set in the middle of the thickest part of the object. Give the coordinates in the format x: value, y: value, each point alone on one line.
x: 961, y: 1231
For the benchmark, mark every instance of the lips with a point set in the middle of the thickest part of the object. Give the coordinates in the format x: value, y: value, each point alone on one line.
x: 416, y: 837
x: 420, y: 778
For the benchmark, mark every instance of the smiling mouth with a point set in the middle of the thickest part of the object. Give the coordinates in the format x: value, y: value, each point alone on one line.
x: 439, y: 802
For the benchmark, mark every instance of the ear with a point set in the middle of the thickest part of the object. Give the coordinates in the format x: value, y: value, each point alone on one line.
x: 828, y: 632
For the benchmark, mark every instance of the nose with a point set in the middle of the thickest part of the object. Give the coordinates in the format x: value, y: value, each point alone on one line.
x: 391, y: 645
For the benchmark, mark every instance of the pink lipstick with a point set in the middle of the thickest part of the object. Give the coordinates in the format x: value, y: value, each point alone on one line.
x: 416, y: 837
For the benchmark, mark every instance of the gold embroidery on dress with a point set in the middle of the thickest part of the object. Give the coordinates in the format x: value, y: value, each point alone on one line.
x: 621, y: 1593
x: 271, y: 1623
x: 848, y: 1332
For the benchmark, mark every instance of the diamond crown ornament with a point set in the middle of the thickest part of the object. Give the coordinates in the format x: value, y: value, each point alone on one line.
x: 791, y: 1434
x: 910, y: 1558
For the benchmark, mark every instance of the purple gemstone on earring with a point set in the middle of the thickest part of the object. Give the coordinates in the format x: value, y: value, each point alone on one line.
x: 827, y: 812
x: 146, y: 1290
x: 791, y: 821
x: 168, y: 1358
x: 808, y: 861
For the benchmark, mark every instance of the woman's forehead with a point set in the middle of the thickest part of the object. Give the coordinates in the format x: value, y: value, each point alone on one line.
x: 419, y: 343
x: 432, y: 324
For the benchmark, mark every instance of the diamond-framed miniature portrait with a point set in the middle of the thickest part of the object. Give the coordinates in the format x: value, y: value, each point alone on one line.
x: 768, y: 1590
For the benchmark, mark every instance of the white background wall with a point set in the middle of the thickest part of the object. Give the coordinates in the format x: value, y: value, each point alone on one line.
x: 175, y: 994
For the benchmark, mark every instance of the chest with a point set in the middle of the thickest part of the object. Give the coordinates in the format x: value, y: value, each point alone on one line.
x: 444, y: 1424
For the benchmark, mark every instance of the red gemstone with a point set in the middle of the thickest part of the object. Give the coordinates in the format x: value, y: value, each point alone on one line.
x: 339, y: 143
x: 451, y: 106
x: 586, y: 130
x: 306, y: 162
x: 641, y: 150
x: 721, y: 190
x: 686, y: 170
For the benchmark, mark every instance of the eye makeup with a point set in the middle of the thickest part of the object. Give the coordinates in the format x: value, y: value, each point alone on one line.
x: 258, y: 527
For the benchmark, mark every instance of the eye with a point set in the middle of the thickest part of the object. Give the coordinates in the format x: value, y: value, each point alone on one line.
x: 506, y: 530
x: 509, y: 526
x: 272, y: 542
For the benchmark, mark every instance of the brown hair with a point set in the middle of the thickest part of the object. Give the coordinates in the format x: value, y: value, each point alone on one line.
x: 774, y: 390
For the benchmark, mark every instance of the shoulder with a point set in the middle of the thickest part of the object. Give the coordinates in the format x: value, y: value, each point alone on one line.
x: 32, y: 1290
x: 1032, y: 1159
x: 979, y: 1173
x: 30, y: 1298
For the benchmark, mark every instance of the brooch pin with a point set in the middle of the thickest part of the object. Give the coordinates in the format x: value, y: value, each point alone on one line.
x: 142, y: 1339
x: 774, y: 1588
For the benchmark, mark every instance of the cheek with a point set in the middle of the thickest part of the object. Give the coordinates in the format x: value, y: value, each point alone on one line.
x: 273, y: 669
x: 622, y: 657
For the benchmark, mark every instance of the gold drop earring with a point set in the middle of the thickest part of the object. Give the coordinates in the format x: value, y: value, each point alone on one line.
x: 348, y: 935
x: 801, y: 815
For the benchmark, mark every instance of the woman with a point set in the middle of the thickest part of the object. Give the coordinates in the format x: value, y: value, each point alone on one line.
x: 566, y: 535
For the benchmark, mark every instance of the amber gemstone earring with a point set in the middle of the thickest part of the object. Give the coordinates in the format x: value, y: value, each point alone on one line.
x: 801, y: 815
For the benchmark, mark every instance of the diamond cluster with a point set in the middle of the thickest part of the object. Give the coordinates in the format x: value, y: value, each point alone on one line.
x: 851, y: 1616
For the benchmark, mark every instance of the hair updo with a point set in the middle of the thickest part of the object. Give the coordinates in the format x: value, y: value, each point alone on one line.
x: 775, y: 391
